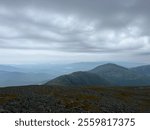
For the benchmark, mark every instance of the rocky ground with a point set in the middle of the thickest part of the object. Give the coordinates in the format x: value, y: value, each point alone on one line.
x: 46, y: 99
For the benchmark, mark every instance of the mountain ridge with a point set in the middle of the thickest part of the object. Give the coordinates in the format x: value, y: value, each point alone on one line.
x: 79, y: 78
x: 112, y: 73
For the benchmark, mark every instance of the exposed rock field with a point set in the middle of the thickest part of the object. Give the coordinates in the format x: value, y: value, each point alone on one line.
x: 51, y: 99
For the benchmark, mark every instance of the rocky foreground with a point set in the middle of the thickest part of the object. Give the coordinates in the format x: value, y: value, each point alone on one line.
x: 54, y: 99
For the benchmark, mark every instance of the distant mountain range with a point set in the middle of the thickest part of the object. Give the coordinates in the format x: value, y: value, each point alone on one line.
x: 8, y: 68
x: 105, y: 75
x: 86, y: 73
x: 19, y: 78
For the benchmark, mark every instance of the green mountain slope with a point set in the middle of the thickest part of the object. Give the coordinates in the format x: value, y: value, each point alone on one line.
x: 79, y: 79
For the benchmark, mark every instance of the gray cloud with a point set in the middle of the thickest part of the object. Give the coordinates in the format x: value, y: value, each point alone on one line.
x: 97, y: 27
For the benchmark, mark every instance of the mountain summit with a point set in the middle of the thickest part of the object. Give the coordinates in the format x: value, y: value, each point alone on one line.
x: 118, y: 75
x: 108, y: 67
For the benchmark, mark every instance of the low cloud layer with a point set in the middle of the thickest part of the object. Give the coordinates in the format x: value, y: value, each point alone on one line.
x: 42, y: 30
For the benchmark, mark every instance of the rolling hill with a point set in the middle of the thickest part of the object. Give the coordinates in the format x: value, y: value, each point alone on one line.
x: 79, y: 79
x: 145, y: 70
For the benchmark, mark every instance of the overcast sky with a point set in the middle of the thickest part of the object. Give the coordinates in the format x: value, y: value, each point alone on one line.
x: 39, y: 31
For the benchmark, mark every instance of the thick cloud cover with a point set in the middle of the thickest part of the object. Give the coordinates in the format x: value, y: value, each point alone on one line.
x: 74, y: 30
